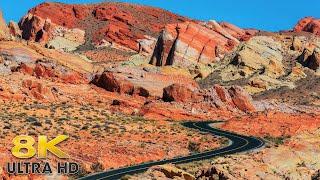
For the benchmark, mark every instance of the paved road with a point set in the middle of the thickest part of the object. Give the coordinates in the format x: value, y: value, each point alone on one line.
x: 238, y: 144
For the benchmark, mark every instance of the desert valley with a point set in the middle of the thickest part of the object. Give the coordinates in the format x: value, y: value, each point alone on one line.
x: 119, y: 79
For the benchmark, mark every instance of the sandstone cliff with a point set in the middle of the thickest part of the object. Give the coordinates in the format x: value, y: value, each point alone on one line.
x: 187, y: 44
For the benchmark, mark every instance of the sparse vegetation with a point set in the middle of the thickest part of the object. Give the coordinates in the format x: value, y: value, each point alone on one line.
x: 276, y: 140
x: 98, y: 128
x: 193, y: 147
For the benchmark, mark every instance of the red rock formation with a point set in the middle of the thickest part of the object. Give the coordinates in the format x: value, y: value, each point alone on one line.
x: 240, y: 34
x: 73, y: 78
x: 36, y: 28
x: 38, y: 90
x: 224, y: 95
x: 26, y: 69
x: 141, y: 92
x: 217, y: 96
x: 234, y: 97
x: 14, y: 29
x: 47, y: 72
x: 241, y: 99
x: 112, y: 83
x: 178, y: 93
x: 308, y: 24
x: 119, y: 23
x: 189, y: 43
x: 42, y: 71
x: 4, y: 31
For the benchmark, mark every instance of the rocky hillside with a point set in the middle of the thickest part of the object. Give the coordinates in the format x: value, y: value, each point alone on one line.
x: 269, y: 62
x: 122, y: 29
x: 100, y: 24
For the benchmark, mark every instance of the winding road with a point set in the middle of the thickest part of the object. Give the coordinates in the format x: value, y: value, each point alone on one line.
x: 238, y: 144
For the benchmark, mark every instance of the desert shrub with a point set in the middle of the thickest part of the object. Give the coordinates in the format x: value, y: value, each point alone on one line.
x: 193, y: 147
x: 277, y: 140
x: 97, y: 167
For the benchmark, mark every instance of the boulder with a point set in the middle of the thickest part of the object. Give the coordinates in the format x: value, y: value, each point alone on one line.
x: 297, y: 44
x: 141, y: 92
x: 217, y: 96
x: 73, y: 78
x: 223, y: 94
x: 178, y: 93
x: 258, y: 83
x: 113, y: 83
x: 152, y: 82
x: 241, y: 99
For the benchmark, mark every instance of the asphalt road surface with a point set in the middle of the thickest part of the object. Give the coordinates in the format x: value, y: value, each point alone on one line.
x: 238, y: 144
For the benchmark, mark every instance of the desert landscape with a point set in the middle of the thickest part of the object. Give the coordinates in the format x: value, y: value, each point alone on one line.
x: 120, y: 79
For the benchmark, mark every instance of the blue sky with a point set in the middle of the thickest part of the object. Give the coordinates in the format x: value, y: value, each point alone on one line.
x: 271, y: 15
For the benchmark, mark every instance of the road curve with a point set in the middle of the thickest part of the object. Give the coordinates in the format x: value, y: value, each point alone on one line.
x: 238, y: 144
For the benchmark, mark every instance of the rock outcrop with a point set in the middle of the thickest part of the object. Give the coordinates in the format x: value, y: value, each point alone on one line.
x: 35, y: 28
x: 218, y: 96
x: 51, y: 71
x: 172, y: 172
x: 14, y: 29
x: 110, y: 82
x: 190, y: 43
x: 231, y: 98
x: 308, y: 24
x: 178, y: 93
x: 260, y: 54
x: 149, y: 81
x: 38, y: 90
x: 106, y: 23
x: 53, y: 35
x: 267, y: 61
x: 4, y: 31
x: 310, y: 58
x: 241, y: 99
